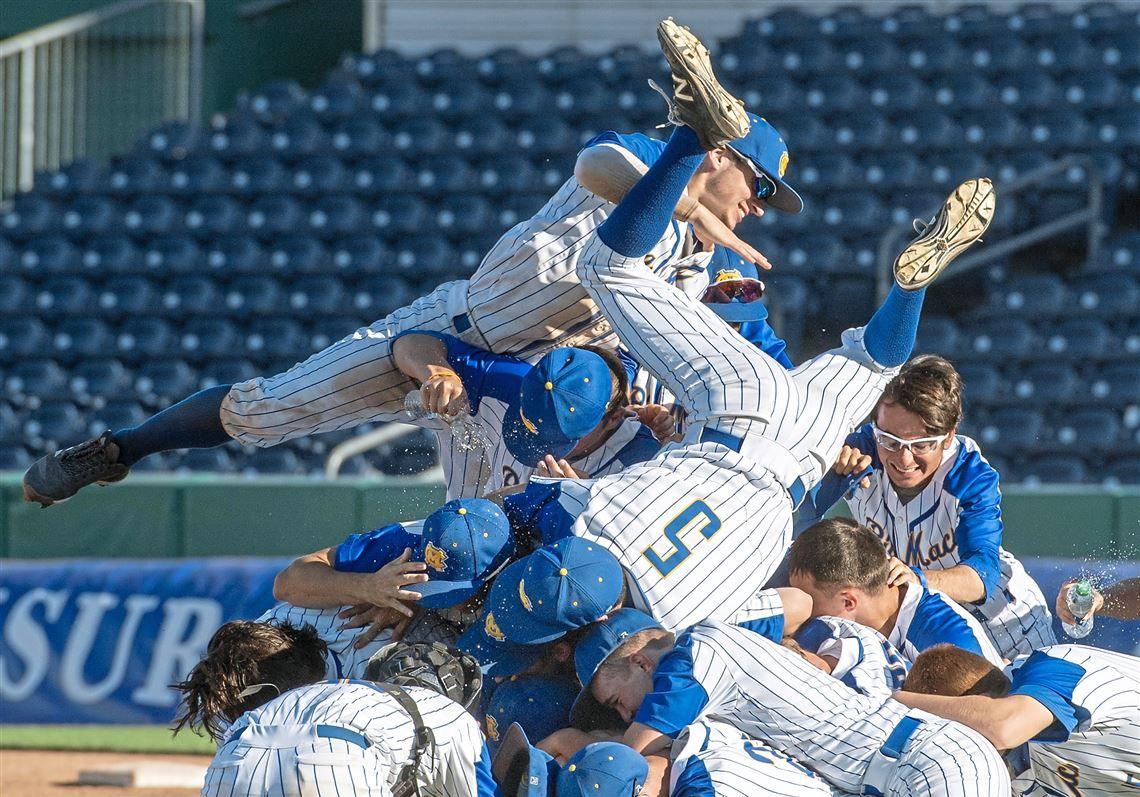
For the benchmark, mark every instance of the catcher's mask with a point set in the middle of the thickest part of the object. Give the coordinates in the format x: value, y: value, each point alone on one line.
x: 430, y: 665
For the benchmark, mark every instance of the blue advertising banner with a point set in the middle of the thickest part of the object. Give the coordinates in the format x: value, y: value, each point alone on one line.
x: 100, y: 641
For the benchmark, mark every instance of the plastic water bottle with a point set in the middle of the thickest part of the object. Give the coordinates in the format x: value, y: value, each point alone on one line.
x: 465, y: 430
x: 1079, y: 599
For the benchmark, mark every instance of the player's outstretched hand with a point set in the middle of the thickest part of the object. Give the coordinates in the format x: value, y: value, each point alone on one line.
x: 373, y: 620
x: 550, y: 468
x: 443, y: 393
x: 1062, y: 605
x: 901, y: 573
x: 659, y: 420
x: 852, y: 460
x: 383, y: 588
x: 711, y: 232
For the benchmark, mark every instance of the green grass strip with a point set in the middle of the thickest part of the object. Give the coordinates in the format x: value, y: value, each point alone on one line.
x: 109, y: 738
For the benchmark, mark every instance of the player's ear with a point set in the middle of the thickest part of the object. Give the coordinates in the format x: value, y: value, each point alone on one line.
x: 642, y: 662
x: 949, y: 438
x: 849, y: 599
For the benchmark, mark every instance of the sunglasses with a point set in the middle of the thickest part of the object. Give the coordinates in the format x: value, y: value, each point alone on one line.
x: 918, y: 445
x: 765, y: 185
x: 744, y: 291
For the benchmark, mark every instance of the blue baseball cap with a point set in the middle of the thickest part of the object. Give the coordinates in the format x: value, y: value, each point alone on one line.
x: 598, y: 643
x: 561, y: 400
x: 734, y: 288
x: 497, y: 657
x: 539, y: 703
x: 562, y: 586
x: 522, y: 770
x: 767, y: 153
x: 602, y: 769
x: 464, y: 544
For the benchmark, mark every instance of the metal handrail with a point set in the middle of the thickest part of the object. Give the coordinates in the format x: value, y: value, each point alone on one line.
x: 1089, y: 216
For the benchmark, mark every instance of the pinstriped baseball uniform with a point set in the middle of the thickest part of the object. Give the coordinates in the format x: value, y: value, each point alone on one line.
x: 1094, y: 747
x: 926, y: 618
x: 284, y: 749
x: 866, y: 661
x: 714, y: 758
x: 523, y: 300
x: 851, y: 740
x: 956, y: 519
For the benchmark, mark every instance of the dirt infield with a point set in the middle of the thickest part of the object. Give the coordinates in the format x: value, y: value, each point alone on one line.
x: 38, y: 773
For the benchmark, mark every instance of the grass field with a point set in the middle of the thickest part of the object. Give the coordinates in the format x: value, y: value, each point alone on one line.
x: 113, y: 738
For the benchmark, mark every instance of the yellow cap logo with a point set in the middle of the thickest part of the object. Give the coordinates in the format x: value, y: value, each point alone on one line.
x: 435, y: 558
x: 492, y: 728
x: 784, y: 162
x: 523, y: 596
x: 530, y: 427
x: 728, y: 275
x: 492, y: 628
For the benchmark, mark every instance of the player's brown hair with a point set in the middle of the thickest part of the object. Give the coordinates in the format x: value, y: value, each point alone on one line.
x: 931, y: 388
x: 619, y: 398
x: 616, y: 665
x: 841, y: 553
x: 953, y: 672
x: 244, y: 654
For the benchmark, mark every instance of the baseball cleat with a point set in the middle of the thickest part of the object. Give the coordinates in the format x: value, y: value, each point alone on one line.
x: 959, y: 225
x: 699, y: 101
x: 59, y: 476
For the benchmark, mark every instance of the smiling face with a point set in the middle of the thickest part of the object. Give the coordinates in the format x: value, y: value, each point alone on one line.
x: 907, y: 468
x: 726, y: 186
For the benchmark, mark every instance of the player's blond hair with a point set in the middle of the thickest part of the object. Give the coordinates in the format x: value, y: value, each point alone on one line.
x: 931, y: 388
x: 953, y: 672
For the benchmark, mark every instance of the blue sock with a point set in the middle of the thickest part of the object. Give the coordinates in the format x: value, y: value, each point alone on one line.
x: 191, y: 423
x: 889, y: 335
x: 641, y: 218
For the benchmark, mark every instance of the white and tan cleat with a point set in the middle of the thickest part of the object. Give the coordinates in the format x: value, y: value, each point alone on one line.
x: 699, y: 101
x: 960, y: 223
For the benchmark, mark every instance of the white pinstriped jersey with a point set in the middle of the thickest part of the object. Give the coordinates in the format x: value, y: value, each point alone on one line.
x: 768, y: 692
x: 927, y: 618
x: 957, y: 518
x: 865, y: 660
x: 714, y: 758
x: 1094, y: 747
x: 277, y: 751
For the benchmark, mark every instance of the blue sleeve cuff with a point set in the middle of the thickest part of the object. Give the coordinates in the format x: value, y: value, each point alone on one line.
x: 677, y: 699
x: 771, y: 628
x: 1051, y: 682
x: 368, y: 552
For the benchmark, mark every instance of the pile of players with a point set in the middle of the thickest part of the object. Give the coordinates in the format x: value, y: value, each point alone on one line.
x: 631, y: 590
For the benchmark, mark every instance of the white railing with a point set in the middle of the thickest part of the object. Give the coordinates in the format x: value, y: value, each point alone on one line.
x: 87, y: 85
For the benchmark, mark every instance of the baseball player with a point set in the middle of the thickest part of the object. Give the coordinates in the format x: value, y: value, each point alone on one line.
x: 843, y: 567
x: 857, y: 655
x: 601, y: 769
x: 540, y: 704
x: 935, y: 502
x: 588, y: 396
x: 418, y: 581
x: 760, y: 436
x: 523, y: 299
x: 857, y: 743
x: 1070, y: 718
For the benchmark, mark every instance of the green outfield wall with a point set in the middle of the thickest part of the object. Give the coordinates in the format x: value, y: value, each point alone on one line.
x: 158, y: 516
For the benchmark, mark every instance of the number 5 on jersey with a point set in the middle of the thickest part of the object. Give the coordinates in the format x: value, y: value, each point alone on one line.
x: 695, y: 517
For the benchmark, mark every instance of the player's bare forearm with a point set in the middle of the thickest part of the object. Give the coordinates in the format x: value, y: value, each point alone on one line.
x: 645, y: 740
x: 657, y: 781
x: 1122, y: 600
x: 1005, y: 721
x: 420, y: 356
x: 311, y: 582
x: 302, y: 582
x: 960, y: 582
x: 797, y: 608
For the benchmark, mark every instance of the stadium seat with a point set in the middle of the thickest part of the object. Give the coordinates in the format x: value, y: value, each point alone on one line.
x: 1002, y: 338
x: 1036, y: 296
x: 237, y: 136
x: 259, y: 174
x: 1123, y: 471
x: 276, y: 338
x: 115, y: 415
x: 983, y: 382
x: 172, y: 254
x: 125, y: 296
x: 521, y: 97
x: 929, y: 55
x: 318, y: 174
x: 214, y: 460
x: 190, y: 295
x: 898, y: 91
x: 11, y: 432
x: 197, y: 174
x: 937, y: 335
x: 396, y: 216
x: 1060, y: 128
x: 444, y: 174
x: 399, y: 100
x: 209, y: 338
x: 7, y: 255
x: 1095, y: 429
x: 382, y: 67
x: 14, y: 458
x: 111, y: 254
x: 63, y: 296
x: 360, y: 255
x: 1063, y: 53
x: 144, y: 338
x: 993, y: 129
x: 297, y: 254
x: 847, y: 22
x: 894, y: 171
x: 420, y: 135
x: 76, y: 339
x: 99, y: 380
x: 460, y: 215
x: 1096, y: 89
x: 272, y: 461
x: 508, y: 174
x: 861, y: 131
x: 1025, y: 90
x: 383, y: 175
x: 483, y: 135
x: 254, y: 295
x: 831, y: 170
x: 34, y: 381
x: 780, y: 98
x: 273, y: 101
x: 172, y: 141
x: 335, y: 215
x: 210, y: 216
x: 15, y: 295
x: 1116, y: 385
x: 459, y: 99
x: 78, y: 177
x: 1079, y: 339
x: 1046, y: 384
x: 21, y: 338
x: 133, y: 175
x: 312, y: 296
x: 1119, y: 51
x: 853, y: 211
x: 1118, y: 128
x: 48, y: 254
x: 442, y: 67
x: 869, y: 55
x: 833, y: 93
x: 1109, y: 296
x: 359, y: 136
x: 272, y: 215
x: 375, y: 297
x: 90, y: 215
x: 545, y: 135
x: 965, y: 90
x: 997, y: 54
x: 225, y: 372
x: 1121, y: 254
x: 298, y: 136
x: 1013, y: 430
x: 234, y: 254
x: 29, y: 215
x: 148, y: 216
x: 326, y: 331
x: 1057, y: 469
x: 55, y: 424
x: 337, y: 99
x: 161, y: 383
x: 499, y: 66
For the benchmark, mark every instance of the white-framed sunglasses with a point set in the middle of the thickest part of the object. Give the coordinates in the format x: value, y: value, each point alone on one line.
x: 917, y: 445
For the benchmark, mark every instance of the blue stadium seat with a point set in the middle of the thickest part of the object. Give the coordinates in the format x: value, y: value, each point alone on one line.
x: 1030, y: 89
x: 7, y: 256
x: 207, y: 217
x: 273, y: 101
x: 326, y: 331
x: 1123, y: 471
x: 890, y: 170
x: 380, y: 68
x: 361, y: 254
x: 937, y: 335
x: 499, y: 66
x: 1121, y: 254
x: 214, y: 460
x: 1035, y: 19
x: 99, y: 379
x: 397, y: 215
x: 237, y: 136
x: 10, y: 427
x: 1119, y: 51
x: 1060, y: 128
x: 1110, y: 296
x: 321, y: 295
x: 1063, y: 53
x: 832, y: 93
x: 90, y: 215
x: 168, y: 254
x: 172, y: 141
x: 973, y: 19
x: 521, y: 97
x: 115, y: 415
x: 383, y: 175
x: 1013, y: 430
x: 1116, y: 385
x: 189, y: 295
x: 399, y: 100
x: 76, y: 339
x: 783, y: 24
x: 898, y: 91
x: 14, y: 458
x: 1092, y: 90
x: 273, y: 214
x: 808, y: 57
x: 134, y: 174
x: 273, y: 461
x: 55, y: 424
x: 928, y: 55
x: 29, y: 215
x: 297, y: 136
x: 144, y: 339
x: 1118, y: 128
x: 994, y: 129
x: 853, y: 211
x: 1046, y: 384
x: 164, y: 382
x: 508, y: 174
x: 861, y: 131
x: 778, y: 98
x: 29, y: 383
x: 561, y: 64
x: 110, y: 254
x: 1096, y: 429
x: 21, y: 338
x: 197, y: 174
x: 62, y: 296
x: 225, y: 372
x: 1056, y: 469
x: 209, y: 338
x: 1079, y: 339
x: 126, y: 296
x: 15, y: 295
x: 1036, y: 296
x: 298, y: 254
x: 983, y: 382
x: 425, y: 258
x: 444, y: 174
x: 741, y: 61
x: 483, y: 135
x: 276, y: 338
x: 1100, y: 17
x: 443, y: 67
x: 148, y: 216
x: 464, y: 214
x: 456, y: 100
x: 870, y: 55
x: 337, y: 99
x: 259, y: 174
x: 963, y: 90
x: 254, y: 294
x: 833, y: 170
x: 359, y: 136
x: 235, y: 254
x: 335, y: 215
x: 49, y: 254
x: 996, y: 54
x: 909, y: 21
x: 77, y: 177
x: 545, y: 136
x: 1002, y: 338
x: 421, y: 135
x: 806, y: 133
